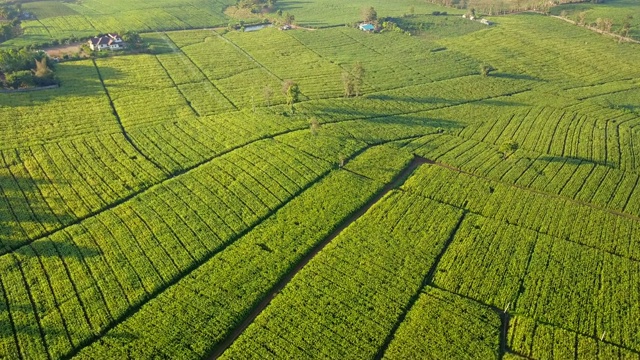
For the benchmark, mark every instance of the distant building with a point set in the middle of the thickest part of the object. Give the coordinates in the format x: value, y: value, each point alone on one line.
x: 286, y: 27
x: 486, y: 22
x: 367, y: 27
x: 106, y: 42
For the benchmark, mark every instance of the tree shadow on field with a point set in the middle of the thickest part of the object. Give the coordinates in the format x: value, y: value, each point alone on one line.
x: 77, y: 82
x: 291, y: 5
x: 576, y: 160
x: 515, y: 76
x: 374, y: 127
x: 430, y: 100
x: 26, y: 215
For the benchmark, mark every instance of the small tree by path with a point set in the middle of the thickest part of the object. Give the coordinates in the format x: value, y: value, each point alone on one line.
x: 354, y: 80
x: 358, y: 77
x: 347, y: 82
x: 508, y: 148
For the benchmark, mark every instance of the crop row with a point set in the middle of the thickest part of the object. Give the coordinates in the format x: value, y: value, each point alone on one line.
x: 442, y: 325
x: 549, y: 279
x: 198, y: 312
x: 536, y: 340
x: 584, y: 131
x: 378, y: 55
x: 317, y: 77
x: 346, y: 301
x: 543, y: 213
x: 534, y: 48
x: 78, y: 107
x: 119, y: 259
x: 47, y: 187
x: 182, y: 144
x: 582, y: 180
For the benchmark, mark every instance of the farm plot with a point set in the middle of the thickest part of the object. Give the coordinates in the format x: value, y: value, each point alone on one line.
x: 197, y: 315
x: 531, y: 339
x: 346, y: 301
x: 78, y: 282
x: 581, y: 180
x: 77, y: 108
x: 443, y: 325
x: 47, y: 187
x: 317, y: 77
x: 57, y: 20
x: 549, y: 279
x: 532, y: 47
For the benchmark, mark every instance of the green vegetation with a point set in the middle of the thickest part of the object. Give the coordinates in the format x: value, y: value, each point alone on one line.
x: 468, y: 191
x: 623, y: 15
x: 24, y: 69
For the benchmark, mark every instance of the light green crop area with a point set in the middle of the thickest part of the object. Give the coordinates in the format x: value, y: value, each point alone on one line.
x: 154, y: 203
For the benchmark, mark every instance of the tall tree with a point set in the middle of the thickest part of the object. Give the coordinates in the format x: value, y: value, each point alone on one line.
x: 347, y: 82
x: 291, y: 91
x: 267, y: 91
x: 358, y: 77
x: 369, y: 14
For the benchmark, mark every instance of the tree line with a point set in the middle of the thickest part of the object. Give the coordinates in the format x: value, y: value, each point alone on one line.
x: 23, y: 69
x: 9, y: 22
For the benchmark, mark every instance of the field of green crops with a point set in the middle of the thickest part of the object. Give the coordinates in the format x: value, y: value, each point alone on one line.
x: 172, y: 205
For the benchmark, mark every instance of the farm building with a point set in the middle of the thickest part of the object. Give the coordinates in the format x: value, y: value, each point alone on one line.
x: 486, y: 22
x: 106, y: 42
x: 367, y: 27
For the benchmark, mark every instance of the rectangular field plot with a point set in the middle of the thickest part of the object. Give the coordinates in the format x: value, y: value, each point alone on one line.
x: 118, y: 258
x: 442, y: 325
x: 79, y: 106
x: 357, y: 286
x: 552, y: 280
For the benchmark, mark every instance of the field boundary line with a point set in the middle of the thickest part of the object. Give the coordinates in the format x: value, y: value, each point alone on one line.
x: 117, y: 116
x: 194, y: 266
x: 179, y: 49
x: 257, y: 310
x: 526, y: 188
x: 427, y: 280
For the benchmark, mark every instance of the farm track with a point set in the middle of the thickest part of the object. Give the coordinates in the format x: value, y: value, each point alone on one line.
x: 154, y: 294
x: 399, y: 179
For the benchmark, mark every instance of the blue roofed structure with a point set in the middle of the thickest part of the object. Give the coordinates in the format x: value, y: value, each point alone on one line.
x: 367, y: 27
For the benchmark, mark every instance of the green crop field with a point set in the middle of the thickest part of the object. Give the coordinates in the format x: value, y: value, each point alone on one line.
x: 176, y: 204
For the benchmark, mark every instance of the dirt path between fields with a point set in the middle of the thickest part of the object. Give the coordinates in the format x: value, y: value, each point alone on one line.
x: 399, y: 179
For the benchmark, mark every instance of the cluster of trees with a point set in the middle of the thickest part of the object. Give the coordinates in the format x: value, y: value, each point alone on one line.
x: 492, y: 7
x: 256, y: 6
x: 605, y: 25
x: 9, y: 22
x: 24, y: 68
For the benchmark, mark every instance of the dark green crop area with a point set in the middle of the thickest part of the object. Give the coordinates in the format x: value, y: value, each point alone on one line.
x: 173, y: 205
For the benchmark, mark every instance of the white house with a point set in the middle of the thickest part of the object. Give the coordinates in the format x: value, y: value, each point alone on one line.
x: 106, y: 42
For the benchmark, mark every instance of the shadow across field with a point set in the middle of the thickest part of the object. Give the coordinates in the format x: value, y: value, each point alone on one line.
x: 26, y: 214
x: 576, y: 160
x: 515, y: 76
x: 76, y: 82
